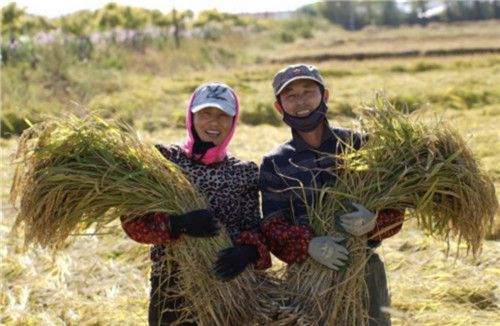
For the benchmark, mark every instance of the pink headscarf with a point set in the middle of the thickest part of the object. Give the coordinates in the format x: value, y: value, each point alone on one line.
x: 219, y: 152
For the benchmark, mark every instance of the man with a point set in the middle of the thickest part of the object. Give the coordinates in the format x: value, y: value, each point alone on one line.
x: 301, y: 99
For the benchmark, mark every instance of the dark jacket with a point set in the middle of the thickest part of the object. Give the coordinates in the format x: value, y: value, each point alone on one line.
x: 294, y: 171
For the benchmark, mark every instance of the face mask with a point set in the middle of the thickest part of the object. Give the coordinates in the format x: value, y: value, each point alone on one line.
x: 200, y: 146
x: 307, y: 123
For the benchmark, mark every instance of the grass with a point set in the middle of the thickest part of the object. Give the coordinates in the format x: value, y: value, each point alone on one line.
x: 160, y: 80
x: 427, y: 288
x: 104, y: 280
x: 408, y: 38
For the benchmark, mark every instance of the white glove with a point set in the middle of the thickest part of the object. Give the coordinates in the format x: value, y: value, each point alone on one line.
x: 327, y: 251
x: 357, y: 222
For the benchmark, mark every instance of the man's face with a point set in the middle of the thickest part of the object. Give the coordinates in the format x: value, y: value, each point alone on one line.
x: 301, y: 97
x: 212, y: 124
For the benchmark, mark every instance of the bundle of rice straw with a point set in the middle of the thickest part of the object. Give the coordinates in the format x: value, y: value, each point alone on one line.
x: 75, y: 172
x: 245, y: 300
x: 426, y: 170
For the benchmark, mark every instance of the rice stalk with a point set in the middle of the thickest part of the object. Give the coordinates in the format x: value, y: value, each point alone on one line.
x: 426, y: 170
x: 76, y: 172
x: 242, y: 301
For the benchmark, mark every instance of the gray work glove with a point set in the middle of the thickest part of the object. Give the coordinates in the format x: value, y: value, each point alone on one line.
x: 358, y: 221
x: 328, y: 251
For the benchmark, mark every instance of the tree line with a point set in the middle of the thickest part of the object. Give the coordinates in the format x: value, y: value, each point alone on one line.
x: 356, y: 14
x: 16, y: 22
x: 350, y: 14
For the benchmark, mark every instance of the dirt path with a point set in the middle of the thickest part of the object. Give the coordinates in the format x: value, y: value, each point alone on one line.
x: 382, y: 55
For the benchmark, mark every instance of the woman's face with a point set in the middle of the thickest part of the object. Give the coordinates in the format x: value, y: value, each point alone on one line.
x: 212, y: 124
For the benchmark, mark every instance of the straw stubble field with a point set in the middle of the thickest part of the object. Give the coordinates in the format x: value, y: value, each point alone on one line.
x: 103, y: 280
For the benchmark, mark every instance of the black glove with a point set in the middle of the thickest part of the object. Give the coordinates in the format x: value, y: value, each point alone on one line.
x: 232, y: 261
x: 199, y: 223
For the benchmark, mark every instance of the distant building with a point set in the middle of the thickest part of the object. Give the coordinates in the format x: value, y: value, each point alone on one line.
x: 433, y: 12
x: 272, y: 14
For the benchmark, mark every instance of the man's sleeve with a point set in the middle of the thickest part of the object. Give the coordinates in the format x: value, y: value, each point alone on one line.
x: 389, y: 223
x: 275, y: 195
x: 286, y: 241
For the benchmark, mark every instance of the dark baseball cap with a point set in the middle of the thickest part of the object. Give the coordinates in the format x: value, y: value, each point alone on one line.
x: 294, y: 72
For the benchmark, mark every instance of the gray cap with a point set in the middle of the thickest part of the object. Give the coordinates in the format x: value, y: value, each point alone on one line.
x: 216, y: 95
x: 299, y: 71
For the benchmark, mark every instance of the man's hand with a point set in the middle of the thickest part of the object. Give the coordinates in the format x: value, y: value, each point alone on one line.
x: 199, y: 223
x: 328, y: 251
x: 358, y: 221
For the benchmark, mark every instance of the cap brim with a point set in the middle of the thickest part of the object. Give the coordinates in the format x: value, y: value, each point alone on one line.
x: 294, y: 79
x: 213, y: 105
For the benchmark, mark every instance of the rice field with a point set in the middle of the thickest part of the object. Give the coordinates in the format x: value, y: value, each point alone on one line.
x: 103, y: 280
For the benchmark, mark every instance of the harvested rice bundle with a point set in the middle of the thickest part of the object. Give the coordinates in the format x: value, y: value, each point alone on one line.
x: 427, y: 170
x: 206, y: 300
x: 74, y: 172
x: 244, y: 300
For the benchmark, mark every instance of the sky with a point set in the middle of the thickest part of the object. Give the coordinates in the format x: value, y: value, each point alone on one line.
x: 55, y: 8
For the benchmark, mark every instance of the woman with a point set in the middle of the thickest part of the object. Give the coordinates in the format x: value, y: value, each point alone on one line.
x: 230, y: 186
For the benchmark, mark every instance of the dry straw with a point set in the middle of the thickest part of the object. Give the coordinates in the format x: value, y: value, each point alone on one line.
x: 75, y: 172
x: 245, y: 300
x: 405, y: 164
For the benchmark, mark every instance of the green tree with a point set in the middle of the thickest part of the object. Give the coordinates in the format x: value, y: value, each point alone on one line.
x: 45, y: 24
x: 179, y: 21
x: 214, y: 16
x: 496, y: 9
x: 134, y: 18
x: 390, y: 13
x: 160, y: 20
x: 483, y: 10
x: 370, y: 17
x: 338, y: 12
x: 163, y: 22
x: 450, y: 11
x: 79, y: 25
x: 110, y: 17
x: 12, y: 20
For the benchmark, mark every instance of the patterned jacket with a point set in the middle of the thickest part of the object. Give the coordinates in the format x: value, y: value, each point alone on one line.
x: 231, y: 187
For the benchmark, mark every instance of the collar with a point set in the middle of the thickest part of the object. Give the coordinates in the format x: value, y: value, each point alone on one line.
x: 300, y: 145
